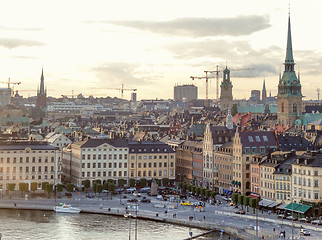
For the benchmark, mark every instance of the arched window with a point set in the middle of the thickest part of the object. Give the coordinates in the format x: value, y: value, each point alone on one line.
x: 294, y: 107
x: 282, y: 107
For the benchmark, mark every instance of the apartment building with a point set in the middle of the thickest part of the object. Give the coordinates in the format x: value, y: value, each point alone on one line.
x: 223, y: 156
x: 28, y: 161
x: 151, y: 160
x: 197, y: 164
x: 267, y: 178
x: 246, y: 145
x: 307, y: 181
x: 255, y: 175
x: 95, y: 159
x: 184, y: 161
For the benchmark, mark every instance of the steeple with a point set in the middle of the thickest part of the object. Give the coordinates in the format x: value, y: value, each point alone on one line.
x: 289, y: 61
x: 264, y: 94
x: 264, y: 87
x: 42, y: 84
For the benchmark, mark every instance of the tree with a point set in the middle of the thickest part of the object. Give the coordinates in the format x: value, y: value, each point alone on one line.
x: 213, y: 195
x: 198, y: 190
x: 132, y: 182
x: 121, y: 182
x: 105, y: 185
x: 87, y: 184
x: 193, y: 189
x: 202, y: 192
x: 49, y: 189
x: 98, y: 181
x: 180, y: 185
x: 34, y: 187
x: 241, y: 200
x: 22, y: 188
x: 59, y: 188
x: 234, y: 197
x: 95, y: 187
x: 110, y: 180
x: 70, y: 187
x: 44, y: 186
x: 165, y: 181
x: 99, y: 189
x: 111, y: 188
x: 143, y: 182
x: 234, y: 109
x: 11, y: 187
x: 253, y: 202
x: 246, y: 201
x: 207, y: 193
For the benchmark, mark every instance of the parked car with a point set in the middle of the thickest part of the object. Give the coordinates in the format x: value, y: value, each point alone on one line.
x: 317, y: 221
x: 305, y: 232
x: 89, y: 195
x: 68, y: 194
x: 292, y: 218
x: 132, y: 200
x: 105, y: 191
x: 240, y: 212
x: 145, y: 190
x: 146, y: 200
x: 282, y: 216
x: 306, y: 220
x: 119, y: 190
x: 131, y: 190
x: 185, y: 203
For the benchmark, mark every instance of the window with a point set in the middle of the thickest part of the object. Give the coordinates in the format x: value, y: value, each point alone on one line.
x: 265, y: 138
x: 316, y: 183
x: 316, y: 173
x: 250, y: 138
x: 257, y: 138
x: 282, y: 107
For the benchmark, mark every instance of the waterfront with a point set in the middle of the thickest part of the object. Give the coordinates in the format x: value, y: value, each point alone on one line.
x: 27, y: 224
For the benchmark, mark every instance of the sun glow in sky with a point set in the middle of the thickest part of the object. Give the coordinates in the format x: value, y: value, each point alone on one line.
x: 89, y: 46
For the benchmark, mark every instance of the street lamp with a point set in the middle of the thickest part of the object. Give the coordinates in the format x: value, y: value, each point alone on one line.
x: 129, y: 216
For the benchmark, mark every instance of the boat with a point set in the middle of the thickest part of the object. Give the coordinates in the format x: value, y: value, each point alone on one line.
x: 64, y: 208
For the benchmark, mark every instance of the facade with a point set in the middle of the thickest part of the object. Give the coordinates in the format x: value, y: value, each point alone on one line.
x: 185, y: 93
x: 246, y: 146
x: 307, y: 181
x: 197, y: 164
x: 214, y: 136
x: 223, y: 156
x: 255, y: 175
x: 5, y: 96
x: 27, y: 162
x: 289, y: 97
x: 41, y: 94
x: 267, y: 178
x: 59, y: 140
x: 151, y: 160
x: 226, y: 91
x: 95, y: 159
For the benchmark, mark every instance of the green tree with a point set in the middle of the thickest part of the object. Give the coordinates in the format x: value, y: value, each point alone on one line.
x: 165, y: 181
x: 193, y: 189
x: 234, y: 109
x: 111, y: 188
x: 246, y: 202
x: 213, y: 194
x: 253, y: 203
x: 11, y: 187
x: 241, y: 200
x: 198, y: 190
x: 59, y: 188
x: 121, y: 182
x: 99, y: 189
x: 110, y: 180
x: 87, y: 184
x: 33, y: 187
x: 202, y: 192
x: 44, y: 186
x: 105, y: 185
x: 95, y: 187
x: 132, y: 182
x: 22, y: 188
x: 234, y: 197
x: 49, y: 189
x: 98, y: 181
x: 143, y: 182
x: 207, y: 193
x: 70, y: 187
x: 180, y: 185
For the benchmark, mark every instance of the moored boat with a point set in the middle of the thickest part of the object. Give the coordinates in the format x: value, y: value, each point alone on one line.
x: 64, y: 208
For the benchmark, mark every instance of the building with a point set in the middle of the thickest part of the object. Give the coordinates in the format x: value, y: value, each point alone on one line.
x: 226, y: 91
x: 5, y: 96
x: 223, y: 158
x: 185, y: 93
x: 42, y: 94
x: 246, y: 145
x: 197, y: 164
x: 151, y: 160
x: 307, y: 181
x: 95, y: 159
x: 255, y: 175
x: 59, y: 140
x: 289, y: 97
x: 27, y: 162
x: 255, y: 96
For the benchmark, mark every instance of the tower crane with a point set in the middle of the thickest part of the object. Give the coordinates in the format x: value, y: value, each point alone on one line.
x: 206, y: 77
x: 11, y: 83
x: 122, y: 89
x: 318, y: 92
x: 217, y: 80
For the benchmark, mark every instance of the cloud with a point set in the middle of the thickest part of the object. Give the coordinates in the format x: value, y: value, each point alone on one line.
x: 16, y: 42
x: 201, y: 27
x: 20, y: 29
x: 113, y: 74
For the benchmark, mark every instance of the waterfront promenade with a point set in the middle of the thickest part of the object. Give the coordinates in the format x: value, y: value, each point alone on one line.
x: 221, y: 217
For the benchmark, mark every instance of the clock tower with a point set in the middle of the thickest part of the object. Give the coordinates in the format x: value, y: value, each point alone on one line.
x: 289, y: 97
x: 226, y: 91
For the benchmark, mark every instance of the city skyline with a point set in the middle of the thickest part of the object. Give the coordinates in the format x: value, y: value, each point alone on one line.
x: 144, y: 45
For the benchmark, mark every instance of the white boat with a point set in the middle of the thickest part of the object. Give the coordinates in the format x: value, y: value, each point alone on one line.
x: 64, y: 208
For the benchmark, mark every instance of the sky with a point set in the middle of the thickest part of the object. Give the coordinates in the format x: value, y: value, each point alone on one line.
x: 90, y: 46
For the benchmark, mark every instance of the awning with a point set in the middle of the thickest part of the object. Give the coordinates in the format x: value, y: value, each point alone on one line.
x: 266, y: 202
x: 282, y: 207
x: 296, y: 207
x: 253, y: 196
x: 274, y: 204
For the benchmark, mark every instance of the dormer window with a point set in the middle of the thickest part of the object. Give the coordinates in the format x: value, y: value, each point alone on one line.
x: 250, y: 138
x: 257, y: 138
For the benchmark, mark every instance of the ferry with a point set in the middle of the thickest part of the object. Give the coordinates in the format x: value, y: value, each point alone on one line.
x: 64, y: 208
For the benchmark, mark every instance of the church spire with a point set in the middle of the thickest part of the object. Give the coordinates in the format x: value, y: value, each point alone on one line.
x: 289, y: 61
x: 42, y: 84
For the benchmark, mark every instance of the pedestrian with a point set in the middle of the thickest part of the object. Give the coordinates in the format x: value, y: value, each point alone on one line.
x: 262, y: 236
x: 284, y: 233
x: 204, y: 217
x: 273, y: 229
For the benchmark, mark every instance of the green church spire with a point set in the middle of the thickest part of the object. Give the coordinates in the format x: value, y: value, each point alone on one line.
x: 289, y: 61
x: 42, y: 84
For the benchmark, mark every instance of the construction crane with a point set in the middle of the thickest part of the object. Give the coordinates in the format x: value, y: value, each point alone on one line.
x: 11, y: 83
x: 217, y: 80
x: 318, y: 92
x: 206, y: 77
x: 66, y: 96
x: 122, y: 89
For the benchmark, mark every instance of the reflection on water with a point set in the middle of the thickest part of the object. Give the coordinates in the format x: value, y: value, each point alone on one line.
x: 18, y: 224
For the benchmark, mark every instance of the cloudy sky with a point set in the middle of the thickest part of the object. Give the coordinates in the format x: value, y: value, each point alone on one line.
x: 90, y: 46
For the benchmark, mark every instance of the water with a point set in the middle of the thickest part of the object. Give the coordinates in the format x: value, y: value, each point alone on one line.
x: 25, y: 224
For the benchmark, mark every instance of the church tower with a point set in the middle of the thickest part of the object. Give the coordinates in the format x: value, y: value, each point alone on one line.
x: 264, y: 94
x: 226, y: 91
x: 289, y: 97
x: 41, y: 94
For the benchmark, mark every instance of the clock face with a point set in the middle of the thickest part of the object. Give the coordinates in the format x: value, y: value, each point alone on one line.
x: 294, y: 82
x: 226, y: 87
